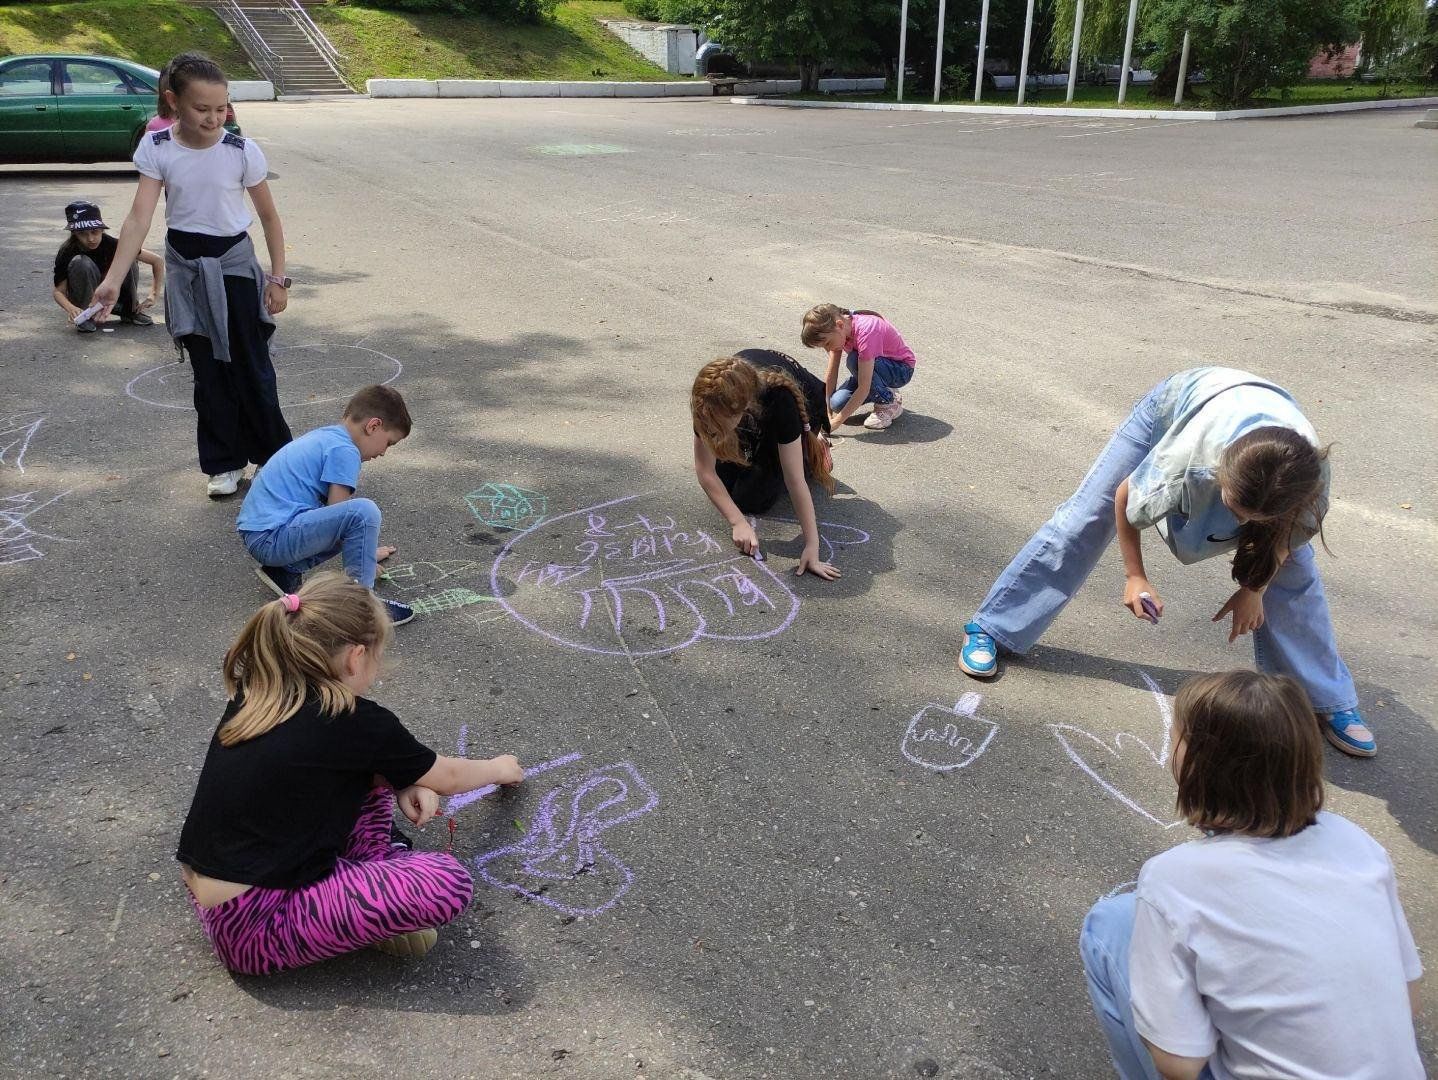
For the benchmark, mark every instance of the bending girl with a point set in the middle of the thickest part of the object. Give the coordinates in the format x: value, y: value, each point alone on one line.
x: 1218, y: 461
x: 760, y: 427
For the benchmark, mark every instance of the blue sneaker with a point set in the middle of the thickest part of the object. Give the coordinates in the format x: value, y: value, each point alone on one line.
x: 980, y: 655
x: 399, y: 614
x: 1347, y: 731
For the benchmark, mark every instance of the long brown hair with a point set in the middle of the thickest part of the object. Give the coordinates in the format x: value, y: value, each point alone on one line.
x: 1276, y: 473
x: 282, y: 657
x: 725, y: 390
x: 1253, y: 756
x: 820, y: 320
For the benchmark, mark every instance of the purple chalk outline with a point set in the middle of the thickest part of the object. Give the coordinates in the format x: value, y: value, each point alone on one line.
x: 615, y: 586
x: 464, y: 798
x: 550, y: 854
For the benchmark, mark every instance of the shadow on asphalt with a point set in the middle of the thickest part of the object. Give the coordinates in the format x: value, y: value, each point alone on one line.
x: 1400, y: 775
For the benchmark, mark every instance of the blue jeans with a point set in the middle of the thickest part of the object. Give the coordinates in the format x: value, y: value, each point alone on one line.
x: 1297, y: 634
x: 350, y: 527
x: 889, y: 375
x: 1103, y: 944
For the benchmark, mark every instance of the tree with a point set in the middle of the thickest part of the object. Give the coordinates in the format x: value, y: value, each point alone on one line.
x: 806, y: 33
x: 1244, y: 46
x: 1392, y: 32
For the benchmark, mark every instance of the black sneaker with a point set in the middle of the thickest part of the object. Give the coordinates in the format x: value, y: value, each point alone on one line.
x: 138, y: 319
x: 398, y: 841
x: 279, y: 580
x: 399, y: 614
x: 87, y: 327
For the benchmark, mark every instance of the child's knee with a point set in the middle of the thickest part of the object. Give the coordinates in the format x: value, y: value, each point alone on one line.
x: 452, y: 900
x: 1109, y: 920
x: 839, y: 399
x: 364, y: 511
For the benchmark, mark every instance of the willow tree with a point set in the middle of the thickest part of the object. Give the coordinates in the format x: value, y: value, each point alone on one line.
x: 1391, y: 32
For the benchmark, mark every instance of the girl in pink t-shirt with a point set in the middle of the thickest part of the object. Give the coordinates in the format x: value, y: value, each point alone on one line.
x: 878, y: 360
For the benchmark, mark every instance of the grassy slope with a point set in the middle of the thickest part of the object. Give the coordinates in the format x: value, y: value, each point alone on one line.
x: 146, y: 31
x: 1314, y: 92
x: 405, y: 44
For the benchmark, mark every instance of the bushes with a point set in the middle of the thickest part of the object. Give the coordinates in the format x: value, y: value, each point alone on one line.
x: 508, y: 10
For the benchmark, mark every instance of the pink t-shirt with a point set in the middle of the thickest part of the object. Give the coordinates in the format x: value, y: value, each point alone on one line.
x: 159, y: 123
x: 874, y: 336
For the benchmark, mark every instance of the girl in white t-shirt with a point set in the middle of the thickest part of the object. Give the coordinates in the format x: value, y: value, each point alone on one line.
x: 219, y: 305
x: 1273, y: 946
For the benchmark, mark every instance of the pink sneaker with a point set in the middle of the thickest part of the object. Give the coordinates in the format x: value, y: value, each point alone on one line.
x: 884, y: 415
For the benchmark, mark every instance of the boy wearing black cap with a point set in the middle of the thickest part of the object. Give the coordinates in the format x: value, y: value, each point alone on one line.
x: 84, y: 260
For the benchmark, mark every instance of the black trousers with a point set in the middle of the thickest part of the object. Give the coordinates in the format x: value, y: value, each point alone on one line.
x: 83, y: 277
x: 237, y: 403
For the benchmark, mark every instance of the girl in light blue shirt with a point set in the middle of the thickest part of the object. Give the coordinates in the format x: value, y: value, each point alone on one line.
x: 1216, y: 460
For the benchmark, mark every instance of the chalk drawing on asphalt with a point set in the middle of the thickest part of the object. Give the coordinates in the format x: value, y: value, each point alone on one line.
x: 17, y: 537
x: 622, y: 578
x: 944, y: 739
x: 505, y: 506
x: 306, y: 375
x: 1085, y: 749
x: 16, y: 431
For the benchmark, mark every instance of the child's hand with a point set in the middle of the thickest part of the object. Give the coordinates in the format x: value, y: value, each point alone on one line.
x: 107, y: 295
x: 419, y: 804
x: 147, y: 303
x: 1131, y: 599
x: 811, y: 562
x: 506, y: 769
x: 746, y: 539
x: 1247, y: 609
x: 276, y: 298
x: 835, y: 421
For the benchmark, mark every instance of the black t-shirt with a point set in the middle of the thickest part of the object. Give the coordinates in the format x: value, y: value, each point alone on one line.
x: 277, y: 810
x: 103, y: 255
x: 778, y: 420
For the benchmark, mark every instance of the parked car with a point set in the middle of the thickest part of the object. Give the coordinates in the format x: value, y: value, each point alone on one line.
x: 1104, y: 74
x: 75, y: 108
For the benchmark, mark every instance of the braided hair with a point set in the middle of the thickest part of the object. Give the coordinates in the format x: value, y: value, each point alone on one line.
x: 727, y: 389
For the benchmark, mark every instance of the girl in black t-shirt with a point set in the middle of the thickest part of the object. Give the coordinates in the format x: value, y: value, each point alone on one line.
x: 287, y: 850
x: 754, y: 437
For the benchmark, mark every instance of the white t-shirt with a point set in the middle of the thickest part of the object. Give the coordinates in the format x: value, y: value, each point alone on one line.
x: 204, y: 189
x: 1277, y: 958
x: 1175, y: 487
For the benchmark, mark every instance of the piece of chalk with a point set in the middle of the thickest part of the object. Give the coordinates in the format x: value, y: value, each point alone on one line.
x: 758, y: 555
x: 88, y: 314
x: 1150, y: 609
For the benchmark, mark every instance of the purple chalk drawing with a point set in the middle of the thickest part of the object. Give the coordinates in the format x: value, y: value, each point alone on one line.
x: 562, y: 854
x: 609, y: 579
x: 945, y: 739
x: 1072, y: 739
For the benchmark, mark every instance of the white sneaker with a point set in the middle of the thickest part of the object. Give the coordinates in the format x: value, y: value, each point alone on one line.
x: 225, y: 483
x: 884, y: 415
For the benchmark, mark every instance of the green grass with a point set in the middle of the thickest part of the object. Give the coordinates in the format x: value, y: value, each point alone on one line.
x: 378, y: 44
x: 1313, y: 92
x: 146, y: 31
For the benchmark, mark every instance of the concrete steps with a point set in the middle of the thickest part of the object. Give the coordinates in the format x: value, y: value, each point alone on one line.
x: 303, y: 69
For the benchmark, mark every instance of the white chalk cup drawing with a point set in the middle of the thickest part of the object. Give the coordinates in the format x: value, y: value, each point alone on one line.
x: 944, y: 739
x: 306, y: 374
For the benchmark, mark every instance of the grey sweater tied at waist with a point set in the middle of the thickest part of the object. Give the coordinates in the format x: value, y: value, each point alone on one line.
x: 195, y: 293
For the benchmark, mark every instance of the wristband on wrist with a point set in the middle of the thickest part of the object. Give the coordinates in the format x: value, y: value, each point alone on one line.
x: 282, y: 282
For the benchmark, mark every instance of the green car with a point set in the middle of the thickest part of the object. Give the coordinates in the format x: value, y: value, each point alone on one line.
x: 75, y: 108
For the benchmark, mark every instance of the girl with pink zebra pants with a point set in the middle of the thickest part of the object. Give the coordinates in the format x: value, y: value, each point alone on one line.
x: 288, y: 850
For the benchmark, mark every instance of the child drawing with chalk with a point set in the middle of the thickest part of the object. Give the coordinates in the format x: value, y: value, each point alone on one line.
x: 878, y: 361
x: 301, y: 509
x: 760, y: 428
x: 220, y: 305
x: 1275, y: 945
x: 289, y: 851
x: 1215, y: 460
x: 85, y: 258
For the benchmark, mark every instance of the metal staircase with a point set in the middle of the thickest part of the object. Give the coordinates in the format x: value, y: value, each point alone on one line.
x: 285, y: 45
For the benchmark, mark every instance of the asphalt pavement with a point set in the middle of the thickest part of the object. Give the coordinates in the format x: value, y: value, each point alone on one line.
x: 811, y: 847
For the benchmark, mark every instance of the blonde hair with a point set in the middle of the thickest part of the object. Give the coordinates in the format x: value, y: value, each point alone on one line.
x: 725, y: 390
x: 282, y: 657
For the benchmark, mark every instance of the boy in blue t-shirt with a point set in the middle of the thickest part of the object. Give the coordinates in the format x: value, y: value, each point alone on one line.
x: 301, y: 510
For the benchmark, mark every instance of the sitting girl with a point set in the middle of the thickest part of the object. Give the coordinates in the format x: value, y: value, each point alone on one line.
x: 760, y: 426
x: 287, y: 847
x: 1273, y: 946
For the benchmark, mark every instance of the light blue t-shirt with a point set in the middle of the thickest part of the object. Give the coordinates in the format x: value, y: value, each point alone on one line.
x: 298, y: 478
x: 1175, y: 488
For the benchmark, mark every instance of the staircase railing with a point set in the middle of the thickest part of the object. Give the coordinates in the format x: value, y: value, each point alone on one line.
x: 301, y: 18
x: 260, y: 54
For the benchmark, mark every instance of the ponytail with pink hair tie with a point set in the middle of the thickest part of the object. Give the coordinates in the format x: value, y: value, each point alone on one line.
x: 291, y: 602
